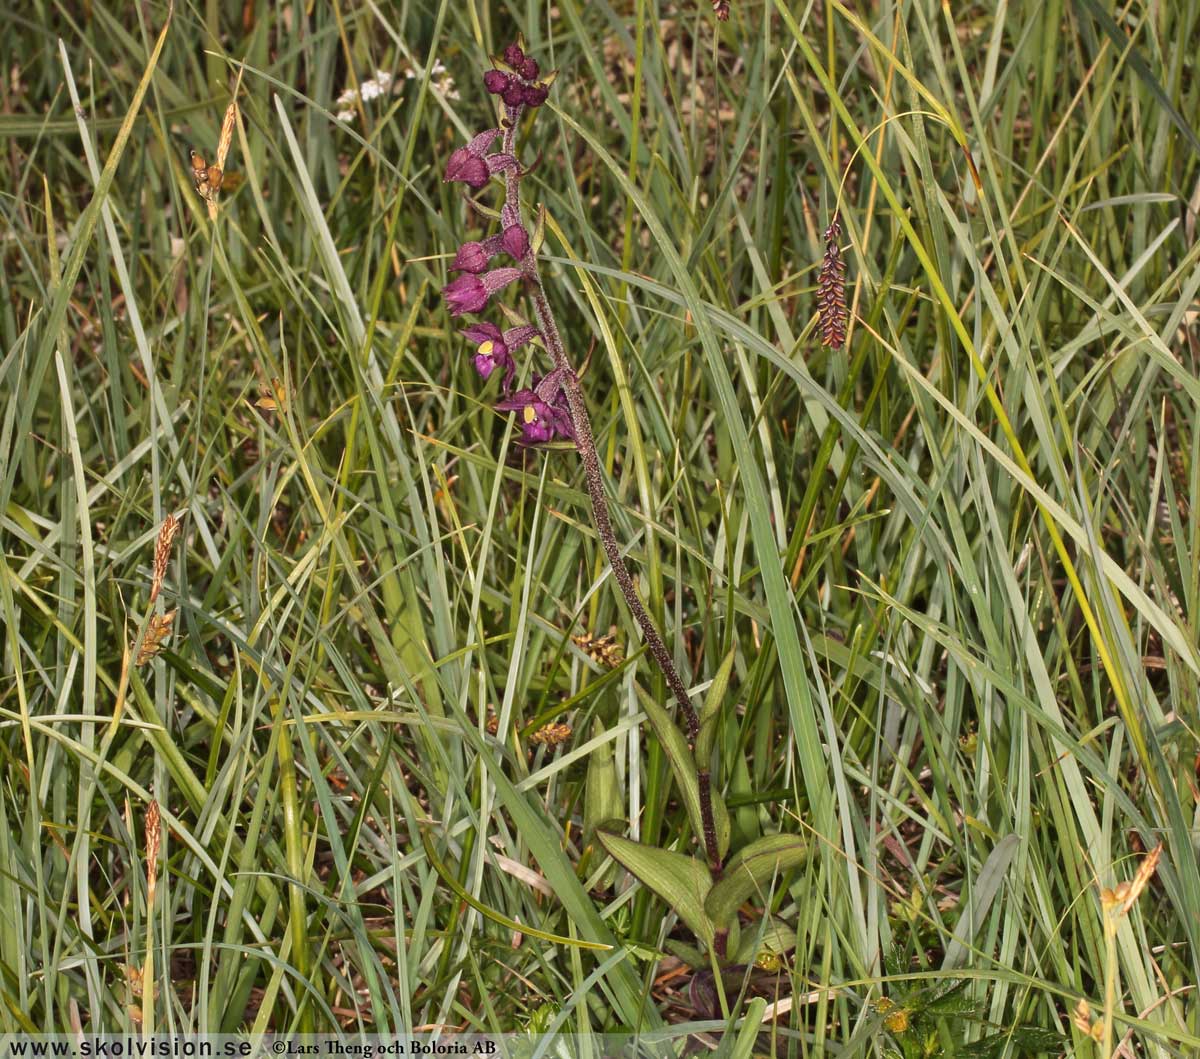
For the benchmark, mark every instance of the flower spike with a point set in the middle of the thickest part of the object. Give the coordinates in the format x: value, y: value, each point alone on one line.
x: 831, y: 289
x: 554, y: 405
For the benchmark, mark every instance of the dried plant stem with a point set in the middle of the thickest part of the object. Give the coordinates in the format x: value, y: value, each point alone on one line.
x: 586, y: 445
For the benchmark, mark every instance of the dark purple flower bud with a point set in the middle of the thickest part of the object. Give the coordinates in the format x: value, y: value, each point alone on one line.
x: 536, y: 95
x: 466, y: 294
x: 470, y: 168
x: 514, y: 94
x: 469, y: 164
x: 471, y: 257
x: 529, y: 70
x: 514, y: 56
x: 515, y: 241
x: 496, y: 81
x: 469, y: 293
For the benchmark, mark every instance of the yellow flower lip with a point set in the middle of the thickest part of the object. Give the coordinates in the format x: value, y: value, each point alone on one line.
x: 485, y: 347
x: 530, y: 414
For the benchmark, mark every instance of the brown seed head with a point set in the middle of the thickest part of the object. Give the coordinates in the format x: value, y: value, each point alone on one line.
x: 1081, y: 1017
x: 157, y: 632
x: 162, y: 553
x: 604, y: 650
x: 1131, y: 891
x: 226, y: 137
x: 153, y: 833
x: 551, y: 735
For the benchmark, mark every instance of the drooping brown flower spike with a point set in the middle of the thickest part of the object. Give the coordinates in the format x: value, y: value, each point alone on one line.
x: 831, y: 289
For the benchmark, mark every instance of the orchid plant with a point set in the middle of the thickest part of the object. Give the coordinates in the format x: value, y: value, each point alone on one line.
x: 707, y: 893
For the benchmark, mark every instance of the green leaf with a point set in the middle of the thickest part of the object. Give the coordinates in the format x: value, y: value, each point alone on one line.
x: 721, y: 822
x: 602, y: 802
x: 682, y: 881
x: 545, y: 846
x: 979, y: 900
x: 751, y: 872
x: 747, y: 1038
x: 683, y: 767
x: 539, y: 230
x: 689, y: 954
x: 1141, y: 67
x: 895, y: 961
x: 949, y: 1000
x: 498, y: 917
x: 710, y: 712
x: 745, y: 817
x: 1025, y: 1040
x: 773, y: 938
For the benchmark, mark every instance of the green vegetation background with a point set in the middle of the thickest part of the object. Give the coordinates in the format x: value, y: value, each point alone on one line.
x: 957, y: 560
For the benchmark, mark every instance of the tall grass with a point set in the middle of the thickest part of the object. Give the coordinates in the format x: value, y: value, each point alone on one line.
x: 957, y: 559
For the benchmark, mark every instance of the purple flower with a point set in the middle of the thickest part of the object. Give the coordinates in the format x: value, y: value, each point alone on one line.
x: 491, y: 351
x: 515, y: 241
x: 504, y: 341
x: 465, y: 294
x: 514, y: 55
x: 471, y: 169
x: 494, y: 348
x: 542, y: 412
x: 471, y: 257
x: 529, y: 70
x: 470, y: 164
x: 469, y: 293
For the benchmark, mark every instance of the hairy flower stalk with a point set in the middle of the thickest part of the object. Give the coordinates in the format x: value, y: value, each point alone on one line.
x: 555, y: 404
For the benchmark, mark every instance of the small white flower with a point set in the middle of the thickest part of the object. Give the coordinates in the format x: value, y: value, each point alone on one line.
x: 383, y: 83
x: 372, y: 88
x: 377, y: 86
